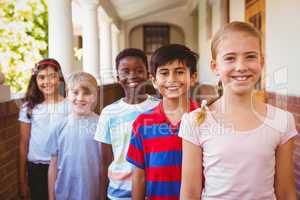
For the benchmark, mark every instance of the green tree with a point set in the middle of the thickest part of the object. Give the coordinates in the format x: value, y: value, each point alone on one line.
x: 23, y: 39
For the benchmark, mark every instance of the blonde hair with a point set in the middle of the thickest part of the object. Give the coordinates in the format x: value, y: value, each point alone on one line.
x: 236, y: 26
x: 83, y: 80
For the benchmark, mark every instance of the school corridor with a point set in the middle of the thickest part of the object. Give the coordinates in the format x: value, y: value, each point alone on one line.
x: 99, y: 29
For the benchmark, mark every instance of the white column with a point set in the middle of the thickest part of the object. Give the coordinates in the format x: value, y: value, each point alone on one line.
x: 219, y: 14
x: 237, y: 10
x: 61, y: 34
x: 115, y: 48
x: 90, y: 37
x: 105, y: 49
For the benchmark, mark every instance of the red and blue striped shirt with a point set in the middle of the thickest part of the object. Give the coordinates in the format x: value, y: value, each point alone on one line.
x: 156, y: 148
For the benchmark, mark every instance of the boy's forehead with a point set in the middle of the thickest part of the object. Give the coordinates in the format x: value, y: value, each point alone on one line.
x: 131, y: 62
x: 173, y: 64
x: 131, y: 58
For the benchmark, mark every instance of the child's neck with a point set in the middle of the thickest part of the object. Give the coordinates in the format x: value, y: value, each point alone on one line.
x: 175, y: 108
x: 240, y: 112
x: 238, y: 103
x: 53, y: 98
x: 132, y: 98
x: 86, y: 114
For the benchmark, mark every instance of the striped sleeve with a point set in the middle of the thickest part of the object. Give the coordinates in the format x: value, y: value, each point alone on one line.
x: 135, y: 154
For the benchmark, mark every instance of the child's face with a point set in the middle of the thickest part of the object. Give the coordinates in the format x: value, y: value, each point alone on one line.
x: 131, y: 72
x: 238, y: 62
x: 81, y: 100
x: 173, y: 80
x: 48, y: 81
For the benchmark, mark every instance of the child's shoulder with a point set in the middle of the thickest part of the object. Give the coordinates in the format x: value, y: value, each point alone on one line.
x: 94, y: 117
x: 24, y: 106
x: 194, y: 114
x: 149, y: 116
x: 278, y: 118
x: 113, y: 106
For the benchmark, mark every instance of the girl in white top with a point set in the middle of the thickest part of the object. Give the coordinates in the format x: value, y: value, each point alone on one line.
x: 44, y: 107
x: 237, y: 147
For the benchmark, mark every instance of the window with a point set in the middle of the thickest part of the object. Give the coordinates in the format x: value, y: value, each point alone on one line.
x: 155, y: 36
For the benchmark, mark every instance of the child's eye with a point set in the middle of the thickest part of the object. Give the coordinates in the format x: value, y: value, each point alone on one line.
x: 124, y: 71
x: 179, y: 72
x: 164, y: 73
x: 229, y: 59
x: 140, y: 71
x: 75, y: 92
x: 251, y: 56
x: 52, y: 76
x: 40, y: 77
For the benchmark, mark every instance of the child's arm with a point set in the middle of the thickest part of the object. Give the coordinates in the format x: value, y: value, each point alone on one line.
x: 138, y: 184
x: 191, y: 181
x: 284, y: 172
x: 106, y: 159
x: 52, y: 173
x: 23, y: 151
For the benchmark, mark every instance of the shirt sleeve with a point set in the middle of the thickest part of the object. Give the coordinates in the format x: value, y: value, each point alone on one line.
x: 290, y: 129
x: 135, y: 154
x: 188, y: 129
x: 52, y: 144
x: 23, y: 114
x: 103, y: 129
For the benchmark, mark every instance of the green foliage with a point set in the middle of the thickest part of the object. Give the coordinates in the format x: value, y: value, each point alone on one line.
x: 23, y: 39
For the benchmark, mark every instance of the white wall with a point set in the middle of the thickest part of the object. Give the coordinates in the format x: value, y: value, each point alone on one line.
x: 236, y: 10
x: 177, y: 16
x: 219, y: 9
x: 283, y: 46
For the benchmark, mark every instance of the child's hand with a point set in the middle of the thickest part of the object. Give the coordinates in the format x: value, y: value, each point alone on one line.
x: 24, y: 191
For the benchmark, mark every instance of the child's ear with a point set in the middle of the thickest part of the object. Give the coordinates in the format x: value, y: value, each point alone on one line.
x: 153, y: 80
x: 194, y: 79
x: 213, y: 66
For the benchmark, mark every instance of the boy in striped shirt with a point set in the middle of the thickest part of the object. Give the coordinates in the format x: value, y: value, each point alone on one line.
x: 155, y: 148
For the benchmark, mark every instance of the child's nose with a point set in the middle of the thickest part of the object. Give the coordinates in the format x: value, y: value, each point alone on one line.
x: 240, y: 65
x: 132, y: 74
x: 172, y: 77
x: 45, y: 81
x: 80, y: 97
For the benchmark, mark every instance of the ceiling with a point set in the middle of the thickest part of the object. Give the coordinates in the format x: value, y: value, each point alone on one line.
x: 130, y: 9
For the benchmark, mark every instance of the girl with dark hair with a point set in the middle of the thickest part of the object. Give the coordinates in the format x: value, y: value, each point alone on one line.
x: 44, y: 107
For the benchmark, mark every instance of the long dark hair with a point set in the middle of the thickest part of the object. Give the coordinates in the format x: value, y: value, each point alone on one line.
x: 33, y: 95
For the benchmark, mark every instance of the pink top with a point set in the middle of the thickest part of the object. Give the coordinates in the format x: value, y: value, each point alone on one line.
x: 239, y: 165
